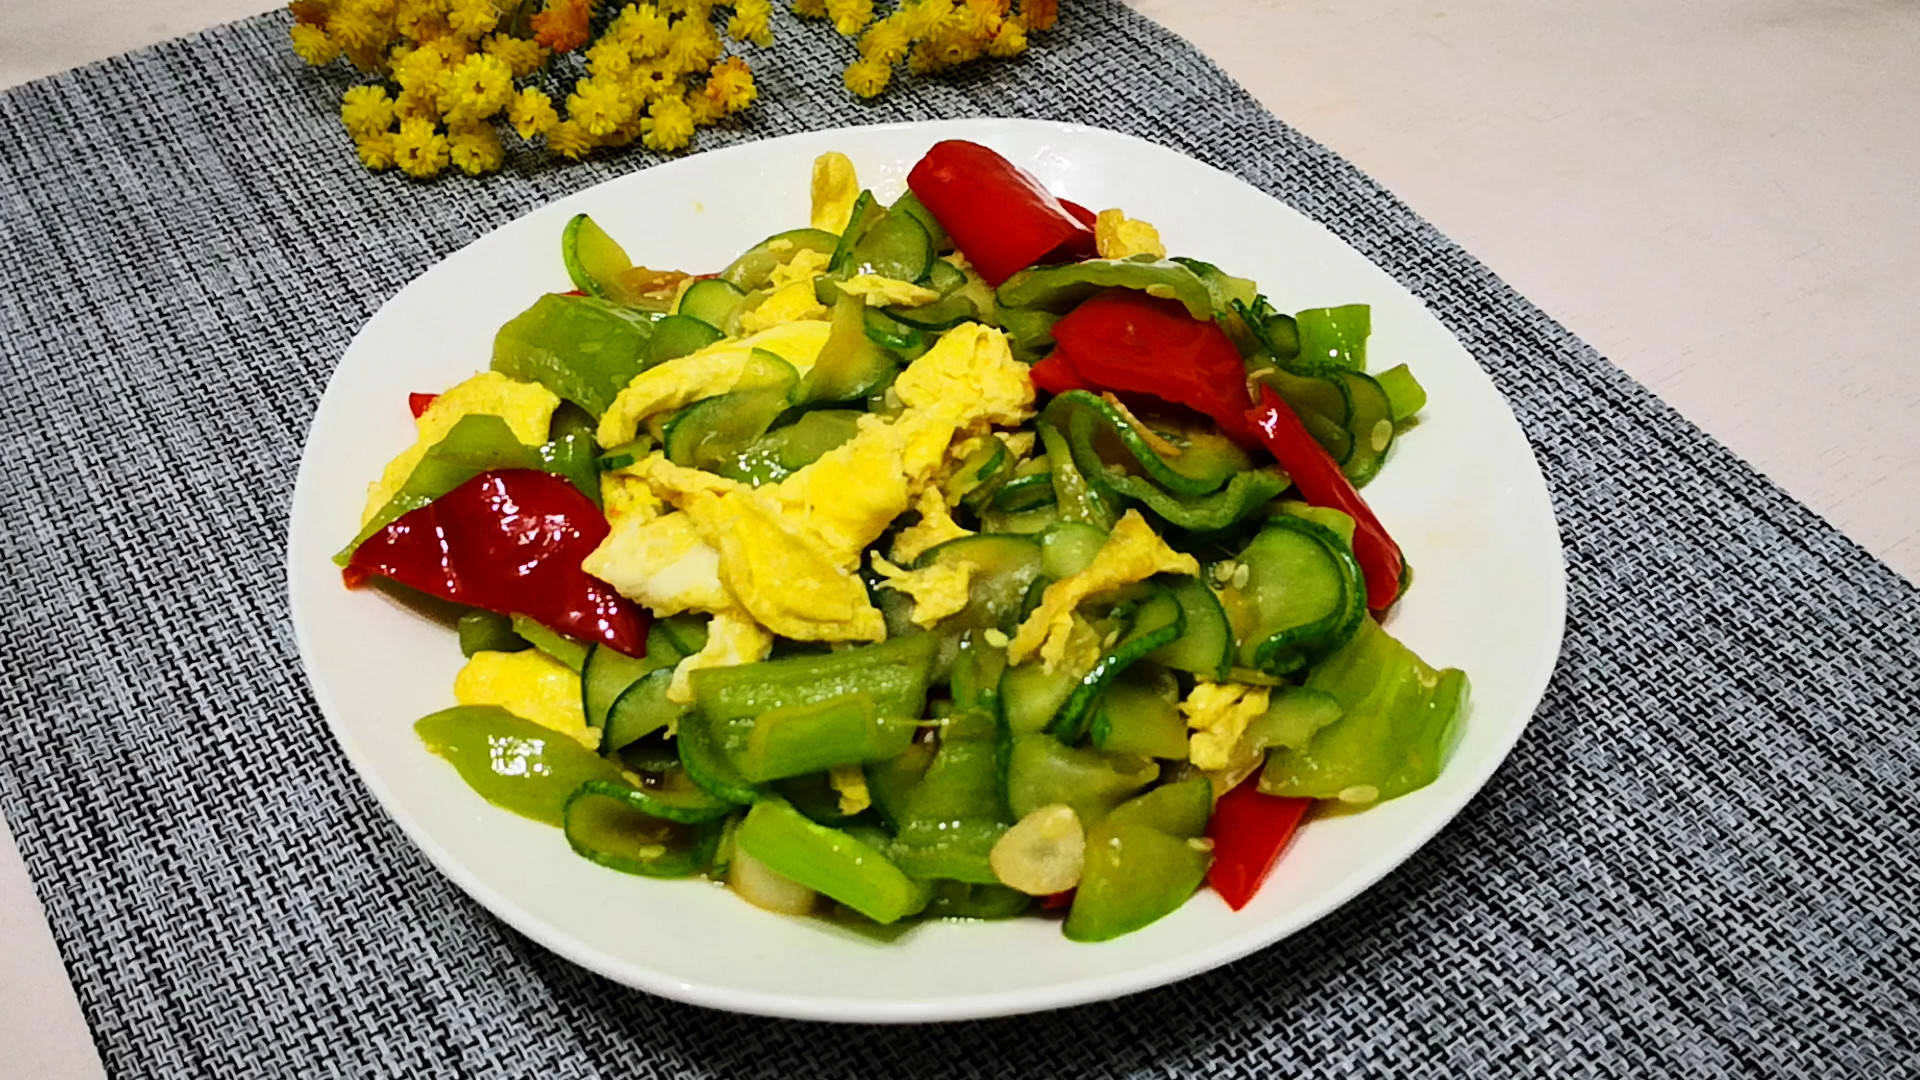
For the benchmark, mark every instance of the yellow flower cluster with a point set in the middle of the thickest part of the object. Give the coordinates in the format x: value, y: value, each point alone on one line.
x: 929, y: 35
x: 454, y: 71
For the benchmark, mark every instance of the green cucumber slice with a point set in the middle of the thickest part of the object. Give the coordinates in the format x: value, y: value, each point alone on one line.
x: 786, y: 449
x: 711, y: 300
x: 1004, y: 568
x: 1156, y: 620
x: 1025, y: 493
x: 594, y: 260
x: 850, y: 366
x: 1205, y: 647
x: 1303, y: 597
x: 641, y: 710
x: 754, y: 267
x: 910, y: 205
x: 707, y: 764
x: 1069, y: 547
x: 604, y: 676
x: 679, y: 335
x: 1140, y: 714
x: 612, y: 825
x: 1371, y: 425
x: 894, y: 246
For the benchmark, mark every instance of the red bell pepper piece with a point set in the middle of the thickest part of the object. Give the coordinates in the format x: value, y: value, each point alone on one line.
x: 1002, y: 218
x: 1249, y: 831
x: 1057, y: 901
x: 1056, y: 376
x: 1322, y: 483
x: 1125, y: 340
x: 418, y: 403
x: 510, y: 541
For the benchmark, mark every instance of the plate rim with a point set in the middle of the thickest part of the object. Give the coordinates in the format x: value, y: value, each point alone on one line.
x: 1013, y: 1000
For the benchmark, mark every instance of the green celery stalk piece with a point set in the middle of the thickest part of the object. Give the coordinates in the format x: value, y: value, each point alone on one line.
x: 830, y: 861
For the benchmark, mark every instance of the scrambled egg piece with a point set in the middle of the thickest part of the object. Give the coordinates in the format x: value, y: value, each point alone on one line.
x: 970, y: 369
x: 1219, y: 714
x: 936, y: 526
x: 527, y: 409
x: 531, y: 685
x: 937, y: 591
x: 789, y: 303
x: 847, y: 498
x: 851, y: 782
x: 1118, y: 237
x: 625, y: 497
x: 835, y: 188
x: 880, y: 291
x: 789, y: 586
x: 661, y: 562
x: 732, y: 639
x: 804, y: 265
x: 1133, y: 552
x: 705, y: 373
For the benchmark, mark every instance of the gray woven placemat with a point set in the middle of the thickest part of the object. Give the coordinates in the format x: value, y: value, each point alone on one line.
x: 1700, y: 861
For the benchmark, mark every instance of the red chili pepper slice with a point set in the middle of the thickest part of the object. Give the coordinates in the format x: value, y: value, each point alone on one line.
x: 1125, y: 340
x: 418, y: 403
x: 1249, y: 831
x: 1320, y: 481
x: 510, y: 541
x: 1056, y: 376
x: 1002, y: 218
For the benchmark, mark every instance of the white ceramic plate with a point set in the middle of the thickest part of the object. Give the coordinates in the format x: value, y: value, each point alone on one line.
x: 1461, y: 493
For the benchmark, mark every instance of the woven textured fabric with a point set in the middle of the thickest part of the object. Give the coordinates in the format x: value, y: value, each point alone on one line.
x: 1699, y: 862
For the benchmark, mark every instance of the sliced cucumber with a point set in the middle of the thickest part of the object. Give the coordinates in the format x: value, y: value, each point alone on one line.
x: 1370, y: 424
x: 679, y: 335
x: 642, y: 710
x: 910, y: 205
x: 978, y: 471
x: 626, y: 454
x: 1029, y: 331
x: 864, y: 213
x: 1140, y: 714
x: 891, y: 333
x: 752, y: 269
x: 781, y: 452
x: 1304, y: 596
x: 594, y: 260
x: 711, y: 300
x: 1025, y: 493
x: 1205, y: 646
x: 684, y: 634
x: 1069, y: 547
x: 1042, y: 771
x: 894, y: 246
x: 1293, y: 716
x: 943, y: 277
x: 1155, y: 620
x: 604, y: 676
x: 850, y: 366
x: 1004, y: 567
x: 1030, y: 695
x: 712, y: 434
x: 617, y: 827
x: 707, y: 764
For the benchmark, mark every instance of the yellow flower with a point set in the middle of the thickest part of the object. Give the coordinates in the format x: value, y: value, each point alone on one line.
x: 1011, y: 40
x: 475, y: 148
x: 311, y: 12
x: 887, y: 41
x: 609, y: 59
x: 809, y: 9
x: 375, y: 150
x: 1040, y: 14
x: 706, y: 110
x: 730, y: 83
x: 625, y: 133
x: 752, y: 21
x: 850, y: 16
x: 923, y: 18
x: 521, y: 56
x: 415, y: 106
x: 946, y: 48
x: 651, y: 81
x: 691, y: 45
x: 354, y: 27
x: 418, y: 20
x: 478, y: 88
x: 313, y: 45
x: 868, y: 77
x: 419, y: 150
x: 641, y: 28
x: 382, y: 8
x: 532, y: 113
x: 419, y: 70
x: 669, y: 125
x: 600, y: 105
x: 472, y: 18
x: 569, y: 140
x: 366, y: 110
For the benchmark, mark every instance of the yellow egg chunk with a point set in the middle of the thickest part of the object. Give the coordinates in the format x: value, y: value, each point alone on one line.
x: 626, y: 497
x: 732, y: 639
x: 937, y: 591
x: 1133, y: 552
x: 972, y: 368
x: 843, y: 501
x: 531, y: 685
x: 835, y: 188
x: 705, y: 373
x: 880, y: 291
x: 1219, y: 714
x: 527, y: 409
x: 788, y: 585
x: 936, y: 526
x: 802, y: 267
x: 1117, y: 237
x: 789, y: 303
x: 662, y: 563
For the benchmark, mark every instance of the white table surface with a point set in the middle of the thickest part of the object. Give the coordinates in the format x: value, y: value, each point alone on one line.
x: 1720, y: 196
